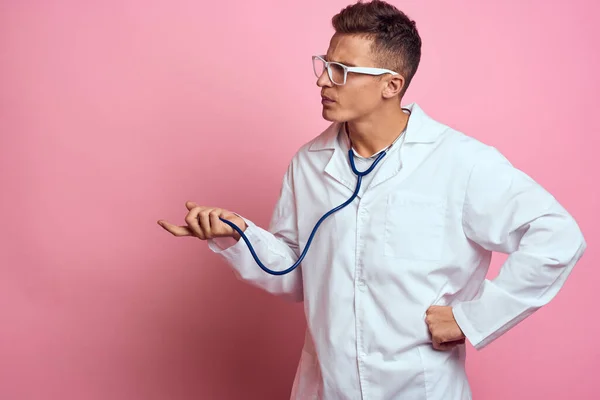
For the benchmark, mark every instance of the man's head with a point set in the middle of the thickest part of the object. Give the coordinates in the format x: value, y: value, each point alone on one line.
x: 368, y: 34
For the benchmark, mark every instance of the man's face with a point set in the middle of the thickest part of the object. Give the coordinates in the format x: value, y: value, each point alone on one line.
x: 362, y: 93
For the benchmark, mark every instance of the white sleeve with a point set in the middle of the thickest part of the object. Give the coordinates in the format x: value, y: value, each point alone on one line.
x: 506, y: 211
x: 277, y: 249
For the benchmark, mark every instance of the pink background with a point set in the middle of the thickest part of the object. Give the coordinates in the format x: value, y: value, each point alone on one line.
x: 114, y: 113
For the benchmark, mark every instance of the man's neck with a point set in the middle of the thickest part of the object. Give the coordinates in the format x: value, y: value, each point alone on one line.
x: 377, y: 131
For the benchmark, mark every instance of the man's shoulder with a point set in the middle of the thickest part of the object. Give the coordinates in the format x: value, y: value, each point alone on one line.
x: 468, y: 149
x: 466, y: 144
x: 457, y: 144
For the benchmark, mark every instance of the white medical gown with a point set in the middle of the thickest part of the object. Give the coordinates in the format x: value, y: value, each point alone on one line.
x: 421, y: 234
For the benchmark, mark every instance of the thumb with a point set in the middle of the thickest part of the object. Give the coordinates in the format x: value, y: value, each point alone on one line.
x: 234, y: 218
x: 228, y: 215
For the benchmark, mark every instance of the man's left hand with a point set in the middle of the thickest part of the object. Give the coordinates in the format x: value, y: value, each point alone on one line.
x: 445, y: 332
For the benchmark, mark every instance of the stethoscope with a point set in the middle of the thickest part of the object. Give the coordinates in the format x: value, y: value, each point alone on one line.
x: 359, y: 176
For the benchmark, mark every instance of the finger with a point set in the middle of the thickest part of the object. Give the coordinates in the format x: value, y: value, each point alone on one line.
x: 228, y: 215
x: 175, y: 230
x: 455, y: 342
x: 204, y: 220
x: 447, y: 346
x: 443, y: 346
x: 192, y: 221
x: 190, y: 205
x: 218, y: 227
x: 432, y: 309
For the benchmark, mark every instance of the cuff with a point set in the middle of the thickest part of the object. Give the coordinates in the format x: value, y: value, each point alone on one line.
x: 473, y: 336
x: 221, y: 244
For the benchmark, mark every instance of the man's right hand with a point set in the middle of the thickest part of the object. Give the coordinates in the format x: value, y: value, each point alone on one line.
x: 204, y: 223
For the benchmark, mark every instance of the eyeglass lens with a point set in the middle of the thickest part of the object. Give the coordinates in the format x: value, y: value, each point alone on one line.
x: 336, y: 71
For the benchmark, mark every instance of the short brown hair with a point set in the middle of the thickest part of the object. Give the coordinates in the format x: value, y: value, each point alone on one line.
x: 396, y: 41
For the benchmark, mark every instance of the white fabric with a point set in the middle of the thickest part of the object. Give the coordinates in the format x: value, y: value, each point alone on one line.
x: 420, y: 235
x: 364, y: 163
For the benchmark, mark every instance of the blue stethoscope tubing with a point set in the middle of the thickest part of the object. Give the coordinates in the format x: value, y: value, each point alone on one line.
x: 359, y: 176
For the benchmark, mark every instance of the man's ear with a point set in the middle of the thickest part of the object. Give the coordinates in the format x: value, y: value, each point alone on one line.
x: 393, y: 87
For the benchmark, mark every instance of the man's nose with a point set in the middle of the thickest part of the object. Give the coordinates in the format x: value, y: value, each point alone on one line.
x: 324, y: 80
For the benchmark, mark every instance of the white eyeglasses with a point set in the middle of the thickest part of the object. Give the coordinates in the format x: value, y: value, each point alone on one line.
x: 338, y: 72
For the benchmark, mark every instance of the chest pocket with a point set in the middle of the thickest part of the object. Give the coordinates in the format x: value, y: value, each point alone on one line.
x: 414, y: 226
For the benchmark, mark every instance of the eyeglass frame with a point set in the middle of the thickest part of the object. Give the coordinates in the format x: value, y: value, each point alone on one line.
x: 358, y: 70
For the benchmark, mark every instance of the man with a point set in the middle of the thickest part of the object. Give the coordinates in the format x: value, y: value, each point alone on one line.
x: 395, y: 281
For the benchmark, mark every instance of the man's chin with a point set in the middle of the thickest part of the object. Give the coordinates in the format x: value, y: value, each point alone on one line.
x: 330, y: 116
